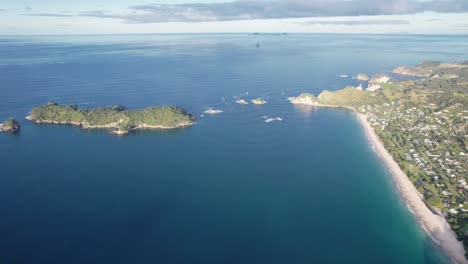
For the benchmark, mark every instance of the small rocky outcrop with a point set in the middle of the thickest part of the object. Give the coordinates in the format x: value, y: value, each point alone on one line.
x: 258, y: 101
x: 242, y: 102
x: 362, y: 77
x: 305, y: 99
x: 212, y: 111
x: 11, y: 126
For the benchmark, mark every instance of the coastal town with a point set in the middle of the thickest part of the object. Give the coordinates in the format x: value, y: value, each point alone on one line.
x: 422, y: 122
x: 428, y: 144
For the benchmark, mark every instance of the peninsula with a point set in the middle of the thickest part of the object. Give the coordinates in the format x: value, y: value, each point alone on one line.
x: 11, y: 126
x: 117, y: 118
x: 418, y: 127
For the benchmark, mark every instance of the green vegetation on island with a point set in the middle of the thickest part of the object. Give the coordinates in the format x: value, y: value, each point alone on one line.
x: 423, y: 124
x: 10, y: 125
x: 116, y: 117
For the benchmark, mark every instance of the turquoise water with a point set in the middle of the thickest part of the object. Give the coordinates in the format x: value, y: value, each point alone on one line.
x: 232, y: 189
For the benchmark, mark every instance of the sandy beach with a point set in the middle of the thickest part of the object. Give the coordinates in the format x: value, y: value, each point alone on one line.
x: 436, y: 226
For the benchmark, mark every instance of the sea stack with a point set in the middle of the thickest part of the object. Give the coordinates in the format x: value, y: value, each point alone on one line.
x: 362, y: 77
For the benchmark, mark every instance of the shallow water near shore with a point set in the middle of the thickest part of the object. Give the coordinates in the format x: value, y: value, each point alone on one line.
x: 232, y: 188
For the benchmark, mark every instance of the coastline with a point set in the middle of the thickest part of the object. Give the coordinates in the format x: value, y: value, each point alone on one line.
x: 433, y: 224
x: 13, y: 130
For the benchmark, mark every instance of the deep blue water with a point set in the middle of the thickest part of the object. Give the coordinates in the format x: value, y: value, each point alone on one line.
x: 231, y: 189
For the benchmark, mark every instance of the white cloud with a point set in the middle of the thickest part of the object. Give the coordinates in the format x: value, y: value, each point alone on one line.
x: 269, y: 9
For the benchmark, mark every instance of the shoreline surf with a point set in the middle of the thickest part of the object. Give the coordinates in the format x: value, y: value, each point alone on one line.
x: 433, y: 224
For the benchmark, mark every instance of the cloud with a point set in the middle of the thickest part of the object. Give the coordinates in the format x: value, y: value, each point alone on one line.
x: 358, y: 22
x: 1, y: 10
x: 272, y: 9
x: 28, y: 8
x: 48, y: 15
x: 269, y: 9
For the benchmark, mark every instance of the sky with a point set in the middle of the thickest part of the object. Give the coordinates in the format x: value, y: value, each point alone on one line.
x: 26, y: 17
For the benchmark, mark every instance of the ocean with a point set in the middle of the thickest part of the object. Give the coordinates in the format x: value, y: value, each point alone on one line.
x: 231, y: 189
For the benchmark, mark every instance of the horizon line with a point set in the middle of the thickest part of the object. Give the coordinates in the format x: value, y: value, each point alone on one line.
x: 237, y: 33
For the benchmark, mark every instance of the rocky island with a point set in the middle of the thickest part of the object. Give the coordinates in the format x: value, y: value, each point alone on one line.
x: 362, y: 77
x: 10, y: 125
x: 242, y: 102
x: 212, y: 111
x: 259, y: 101
x: 117, y: 118
x: 418, y: 128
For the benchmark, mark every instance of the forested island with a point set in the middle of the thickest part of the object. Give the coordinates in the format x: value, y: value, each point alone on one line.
x: 10, y: 125
x: 423, y: 125
x: 121, y: 120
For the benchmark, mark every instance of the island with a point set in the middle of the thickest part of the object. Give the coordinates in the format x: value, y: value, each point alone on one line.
x: 419, y: 127
x: 259, y: 101
x: 242, y: 102
x: 117, y: 118
x: 362, y: 77
x: 10, y: 125
x: 212, y: 111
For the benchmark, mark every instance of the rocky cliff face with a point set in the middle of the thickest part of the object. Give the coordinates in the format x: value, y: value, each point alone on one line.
x: 305, y: 99
x: 413, y: 71
x: 457, y: 71
x: 376, y: 81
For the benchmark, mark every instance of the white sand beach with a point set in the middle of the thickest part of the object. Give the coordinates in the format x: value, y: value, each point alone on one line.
x: 435, y: 225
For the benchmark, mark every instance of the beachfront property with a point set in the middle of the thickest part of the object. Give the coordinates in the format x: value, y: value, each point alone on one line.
x: 425, y: 140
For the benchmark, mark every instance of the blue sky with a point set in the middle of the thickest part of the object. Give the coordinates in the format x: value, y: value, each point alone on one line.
x: 166, y: 16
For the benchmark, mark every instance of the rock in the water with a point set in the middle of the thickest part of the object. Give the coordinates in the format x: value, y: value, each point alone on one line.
x: 362, y: 77
x: 213, y: 111
x: 258, y: 101
x: 11, y: 125
x: 242, y: 101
